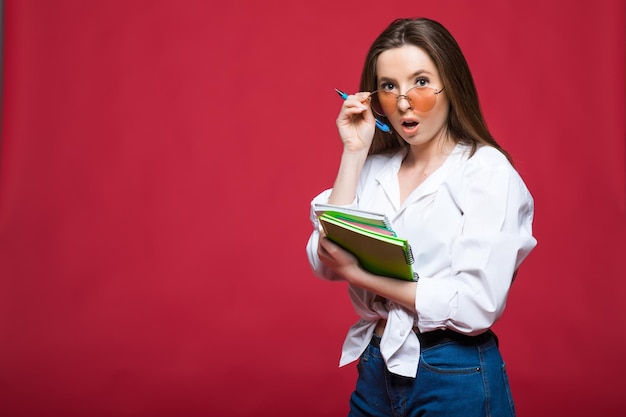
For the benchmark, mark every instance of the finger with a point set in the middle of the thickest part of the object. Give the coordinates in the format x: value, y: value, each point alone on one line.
x: 325, y: 247
x: 331, y: 249
x: 321, y: 248
x: 363, y: 100
x: 358, y: 98
x: 363, y: 97
x: 354, y: 106
x: 326, y: 243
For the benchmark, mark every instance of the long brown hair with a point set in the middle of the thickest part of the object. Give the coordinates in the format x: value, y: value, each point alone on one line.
x: 465, y: 121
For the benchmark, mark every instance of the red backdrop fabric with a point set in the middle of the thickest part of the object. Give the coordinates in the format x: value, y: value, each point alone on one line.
x: 157, y: 162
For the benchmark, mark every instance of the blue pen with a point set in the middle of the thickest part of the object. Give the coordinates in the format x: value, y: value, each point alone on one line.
x: 379, y: 124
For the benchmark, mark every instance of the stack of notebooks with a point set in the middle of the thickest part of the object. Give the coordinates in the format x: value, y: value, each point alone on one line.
x: 370, y: 238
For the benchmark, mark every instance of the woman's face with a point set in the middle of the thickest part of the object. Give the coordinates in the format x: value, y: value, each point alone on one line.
x: 397, y: 71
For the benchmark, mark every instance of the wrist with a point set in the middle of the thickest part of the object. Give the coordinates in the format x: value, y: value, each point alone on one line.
x: 354, y: 158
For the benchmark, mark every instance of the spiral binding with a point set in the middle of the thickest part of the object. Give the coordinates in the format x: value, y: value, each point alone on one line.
x: 408, y: 254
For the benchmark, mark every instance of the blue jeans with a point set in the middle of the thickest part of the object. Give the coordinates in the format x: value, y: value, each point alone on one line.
x: 452, y: 380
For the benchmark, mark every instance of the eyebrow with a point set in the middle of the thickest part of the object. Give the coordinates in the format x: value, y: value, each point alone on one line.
x: 415, y: 74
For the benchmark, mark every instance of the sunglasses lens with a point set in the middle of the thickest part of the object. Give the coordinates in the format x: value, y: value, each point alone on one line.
x: 376, y: 105
x: 383, y: 103
x: 422, y: 99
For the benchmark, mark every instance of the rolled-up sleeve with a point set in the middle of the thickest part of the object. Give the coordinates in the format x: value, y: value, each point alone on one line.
x: 319, y: 269
x: 495, y: 237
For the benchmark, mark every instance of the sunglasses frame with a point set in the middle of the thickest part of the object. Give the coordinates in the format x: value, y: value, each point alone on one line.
x: 405, y: 96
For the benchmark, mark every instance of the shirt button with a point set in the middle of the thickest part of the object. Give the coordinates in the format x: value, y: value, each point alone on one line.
x: 402, y: 333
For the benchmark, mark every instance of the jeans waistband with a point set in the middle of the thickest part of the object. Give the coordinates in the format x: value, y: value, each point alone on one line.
x: 436, y: 337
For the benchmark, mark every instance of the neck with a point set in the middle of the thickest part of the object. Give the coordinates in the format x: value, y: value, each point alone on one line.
x: 429, y: 154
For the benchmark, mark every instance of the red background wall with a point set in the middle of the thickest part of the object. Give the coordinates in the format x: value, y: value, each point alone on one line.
x: 157, y: 161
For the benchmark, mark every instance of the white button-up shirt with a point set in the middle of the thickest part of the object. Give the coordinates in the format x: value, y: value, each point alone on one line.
x: 469, y: 225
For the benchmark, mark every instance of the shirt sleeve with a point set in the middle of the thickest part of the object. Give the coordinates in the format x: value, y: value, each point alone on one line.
x: 319, y: 269
x: 496, y: 236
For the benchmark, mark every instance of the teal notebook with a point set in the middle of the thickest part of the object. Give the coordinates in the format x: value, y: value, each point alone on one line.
x: 376, y: 247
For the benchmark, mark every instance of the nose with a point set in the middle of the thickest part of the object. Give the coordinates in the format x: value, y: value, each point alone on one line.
x: 403, y: 103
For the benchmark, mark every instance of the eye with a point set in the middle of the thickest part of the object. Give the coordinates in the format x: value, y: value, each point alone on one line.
x: 421, y: 82
x: 387, y: 86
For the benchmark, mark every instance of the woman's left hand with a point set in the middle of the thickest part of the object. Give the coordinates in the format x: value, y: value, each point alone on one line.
x: 347, y: 268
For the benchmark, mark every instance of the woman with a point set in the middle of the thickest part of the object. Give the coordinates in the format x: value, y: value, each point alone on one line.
x: 425, y: 348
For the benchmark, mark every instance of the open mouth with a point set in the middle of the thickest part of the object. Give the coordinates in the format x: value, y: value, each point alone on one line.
x: 410, y: 124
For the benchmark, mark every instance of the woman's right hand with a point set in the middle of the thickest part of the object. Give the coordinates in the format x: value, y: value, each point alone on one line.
x: 356, y: 123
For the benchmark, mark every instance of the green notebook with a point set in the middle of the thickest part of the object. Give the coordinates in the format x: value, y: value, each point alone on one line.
x: 376, y: 247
